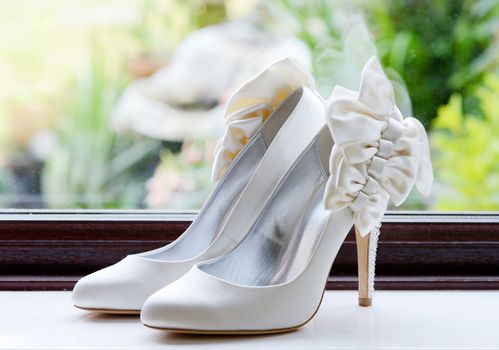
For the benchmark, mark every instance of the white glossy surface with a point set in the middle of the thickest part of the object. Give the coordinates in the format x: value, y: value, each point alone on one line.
x: 441, y: 320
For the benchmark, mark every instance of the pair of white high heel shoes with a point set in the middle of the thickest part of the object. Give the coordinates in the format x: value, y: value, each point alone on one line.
x: 289, y: 189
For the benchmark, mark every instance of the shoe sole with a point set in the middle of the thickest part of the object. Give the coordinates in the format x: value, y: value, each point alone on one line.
x: 225, y: 332
x: 110, y: 311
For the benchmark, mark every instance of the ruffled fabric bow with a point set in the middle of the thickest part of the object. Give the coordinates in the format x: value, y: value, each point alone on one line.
x: 378, y: 154
x: 252, y: 104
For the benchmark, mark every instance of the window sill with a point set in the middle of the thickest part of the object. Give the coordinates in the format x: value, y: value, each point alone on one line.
x: 48, y: 250
x: 401, y: 320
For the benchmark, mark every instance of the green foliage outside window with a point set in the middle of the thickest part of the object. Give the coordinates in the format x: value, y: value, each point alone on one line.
x: 466, y: 151
x: 437, y: 47
x: 446, y: 53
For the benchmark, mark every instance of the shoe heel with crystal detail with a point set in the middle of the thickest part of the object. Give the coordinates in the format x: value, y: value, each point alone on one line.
x: 366, y: 259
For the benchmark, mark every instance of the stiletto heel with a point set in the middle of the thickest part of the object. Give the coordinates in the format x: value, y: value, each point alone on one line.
x: 366, y: 258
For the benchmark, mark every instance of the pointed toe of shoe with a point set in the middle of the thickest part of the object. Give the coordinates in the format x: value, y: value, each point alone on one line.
x: 161, y: 313
x: 83, y: 295
x: 182, y: 306
x: 168, y: 310
x: 98, y: 293
x: 122, y: 287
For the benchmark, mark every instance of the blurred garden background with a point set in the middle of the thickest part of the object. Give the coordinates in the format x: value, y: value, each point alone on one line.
x: 119, y: 104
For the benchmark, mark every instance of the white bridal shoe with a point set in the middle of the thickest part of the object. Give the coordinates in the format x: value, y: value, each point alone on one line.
x: 274, y: 280
x: 276, y: 106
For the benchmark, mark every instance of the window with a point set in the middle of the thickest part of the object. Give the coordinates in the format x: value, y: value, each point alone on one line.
x: 98, y: 102
x: 115, y: 107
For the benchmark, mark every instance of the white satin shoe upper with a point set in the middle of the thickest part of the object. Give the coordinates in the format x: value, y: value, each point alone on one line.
x: 274, y: 279
x: 267, y: 112
x: 250, y: 288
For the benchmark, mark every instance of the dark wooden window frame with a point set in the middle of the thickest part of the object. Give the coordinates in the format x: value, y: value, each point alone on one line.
x: 51, y: 250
